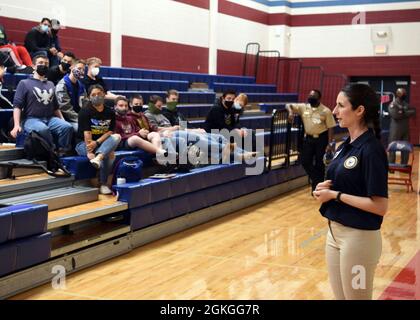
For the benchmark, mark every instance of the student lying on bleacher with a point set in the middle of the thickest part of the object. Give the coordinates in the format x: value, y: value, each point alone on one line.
x: 133, y: 136
x: 36, y: 106
x: 71, y: 92
x: 96, y: 138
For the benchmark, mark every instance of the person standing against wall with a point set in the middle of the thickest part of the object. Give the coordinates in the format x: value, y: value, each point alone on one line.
x: 399, y: 129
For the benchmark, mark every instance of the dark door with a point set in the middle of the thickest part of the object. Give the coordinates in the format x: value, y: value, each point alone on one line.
x: 385, y: 87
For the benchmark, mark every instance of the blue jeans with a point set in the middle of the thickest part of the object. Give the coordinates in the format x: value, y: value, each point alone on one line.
x: 211, y: 143
x: 56, y: 131
x: 106, y: 148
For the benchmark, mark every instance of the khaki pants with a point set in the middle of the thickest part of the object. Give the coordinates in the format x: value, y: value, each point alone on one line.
x: 352, y: 256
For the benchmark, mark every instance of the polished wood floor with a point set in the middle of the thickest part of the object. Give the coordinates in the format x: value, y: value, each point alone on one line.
x: 273, y: 250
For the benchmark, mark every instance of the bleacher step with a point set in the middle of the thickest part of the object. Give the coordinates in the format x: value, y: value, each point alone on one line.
x: 57, y: 198
x: 84, y: 212
x: 30, y: 184
x: 20, y: 172
x: 10, y: 153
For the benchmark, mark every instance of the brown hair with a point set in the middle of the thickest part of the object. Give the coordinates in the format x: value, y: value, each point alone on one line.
x: 243, y: 97
x: 93, y: 60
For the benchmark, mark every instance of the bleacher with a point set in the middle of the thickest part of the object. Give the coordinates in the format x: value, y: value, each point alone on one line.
x: 75, y: 227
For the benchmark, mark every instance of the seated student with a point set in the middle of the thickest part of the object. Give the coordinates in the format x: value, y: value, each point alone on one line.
x: 137, y: 103
x: 38, y: 41
x: 20, y: 54
x: 214, y: 147
x: 96, y: 137
x: 56, y: 73
x: 157, y: 119
x: 71, y: 92
x: 170, y: 110
x: 92, y: 77
x: 35, y: 103
x: 132, y: 135
x: 224, y: 115
x: 4, y: 102
x: 158, y: 139
x: 55, y: 41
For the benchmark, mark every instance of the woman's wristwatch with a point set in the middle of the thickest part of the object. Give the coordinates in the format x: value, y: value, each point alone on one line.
x: 338, y: 197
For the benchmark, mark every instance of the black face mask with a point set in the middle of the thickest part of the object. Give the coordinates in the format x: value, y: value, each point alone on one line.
x: 314, y: 102
x: 229, y: 104
x: 137, y: 109
x: 42, y: 70
x: 66, y: 66
x: 403, y: 97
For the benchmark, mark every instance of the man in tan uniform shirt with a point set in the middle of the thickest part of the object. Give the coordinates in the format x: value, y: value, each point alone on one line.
x: 318, y: 122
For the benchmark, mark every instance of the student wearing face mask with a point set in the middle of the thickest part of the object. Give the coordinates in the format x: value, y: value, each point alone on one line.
x: 399, y: 129
x: 56, y: 73
x: 36, y: 105
x: 132, y: 135
x: 71, y: 92
x: 137, y: 104
x: 96, y: 138
x: 318, y: 122
x: 224, y: 114
x: 38, y: 40
x: 92, y: 77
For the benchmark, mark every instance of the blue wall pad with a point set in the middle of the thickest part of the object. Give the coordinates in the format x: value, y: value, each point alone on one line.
x: 22, y: 220
x: 149, y: 191
x: 24, y: 253
x: 166, y: 209
x: 33, y: 250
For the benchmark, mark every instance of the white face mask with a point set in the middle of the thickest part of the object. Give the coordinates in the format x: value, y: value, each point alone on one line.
x: 95, y: 71
x: 237, y: 106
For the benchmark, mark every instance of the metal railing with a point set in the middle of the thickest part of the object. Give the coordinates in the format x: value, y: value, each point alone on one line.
x: 290, y: 75
x: 286, y: 139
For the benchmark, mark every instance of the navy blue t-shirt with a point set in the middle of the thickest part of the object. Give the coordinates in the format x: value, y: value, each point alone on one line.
x: 359, y: 168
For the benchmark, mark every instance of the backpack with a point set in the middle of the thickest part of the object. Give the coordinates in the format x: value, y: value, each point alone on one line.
x: 129, y: 168
x: 36, y: 148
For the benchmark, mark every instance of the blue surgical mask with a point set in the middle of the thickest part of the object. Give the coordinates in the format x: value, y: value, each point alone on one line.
x: 237, y: 106
x: 44, y: 28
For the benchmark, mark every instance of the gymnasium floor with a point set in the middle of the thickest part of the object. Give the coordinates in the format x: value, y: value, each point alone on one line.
x: 274, y: 250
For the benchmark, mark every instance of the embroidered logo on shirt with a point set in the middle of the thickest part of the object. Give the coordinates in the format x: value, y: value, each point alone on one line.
x: 43, y: 96
x: 351, y: 162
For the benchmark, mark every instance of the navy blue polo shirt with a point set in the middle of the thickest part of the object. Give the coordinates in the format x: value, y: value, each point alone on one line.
x: 359, y: 168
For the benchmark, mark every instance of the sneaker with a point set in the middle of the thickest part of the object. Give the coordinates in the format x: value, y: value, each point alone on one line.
x: 249, y: 155
x: 60, y: 172
x: 96, y: 162
x: 104, y: 190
